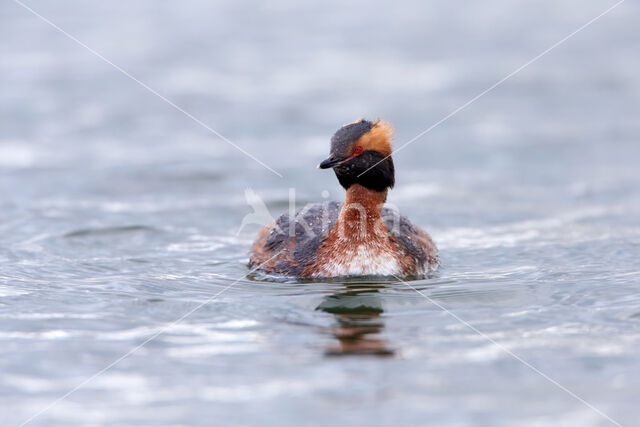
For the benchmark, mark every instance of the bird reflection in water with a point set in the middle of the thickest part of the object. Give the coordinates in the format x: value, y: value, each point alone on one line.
x: 358, y: 312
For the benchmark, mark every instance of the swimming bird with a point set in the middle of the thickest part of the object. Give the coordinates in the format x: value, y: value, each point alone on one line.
x: 359, y: 237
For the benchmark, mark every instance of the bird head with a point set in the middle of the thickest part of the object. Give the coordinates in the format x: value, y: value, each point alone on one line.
x: 361, y: 154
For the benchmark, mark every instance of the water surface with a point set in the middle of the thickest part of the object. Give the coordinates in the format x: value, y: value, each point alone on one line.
x: 119, y: 214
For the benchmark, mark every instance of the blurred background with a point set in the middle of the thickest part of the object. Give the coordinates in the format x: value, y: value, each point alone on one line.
x: 119, y: 214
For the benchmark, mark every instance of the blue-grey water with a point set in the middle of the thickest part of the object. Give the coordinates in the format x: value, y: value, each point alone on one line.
x: 119, y: 214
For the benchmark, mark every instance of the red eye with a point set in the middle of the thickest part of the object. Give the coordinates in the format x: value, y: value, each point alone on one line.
x: 358, y: 150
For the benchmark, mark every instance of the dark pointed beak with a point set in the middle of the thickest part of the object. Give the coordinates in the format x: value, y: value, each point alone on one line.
x: 331, y: 162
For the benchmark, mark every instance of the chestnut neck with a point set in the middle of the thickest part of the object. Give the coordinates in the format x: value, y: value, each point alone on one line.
x: 360, y: 200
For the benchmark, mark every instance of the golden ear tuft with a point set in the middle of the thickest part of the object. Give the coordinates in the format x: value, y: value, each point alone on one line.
x: 378, y: 138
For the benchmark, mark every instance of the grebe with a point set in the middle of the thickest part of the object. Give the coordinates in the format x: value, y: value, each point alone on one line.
x: 359, y: 237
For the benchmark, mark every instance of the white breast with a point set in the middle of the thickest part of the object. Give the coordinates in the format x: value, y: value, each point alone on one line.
x: 364, y: 260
